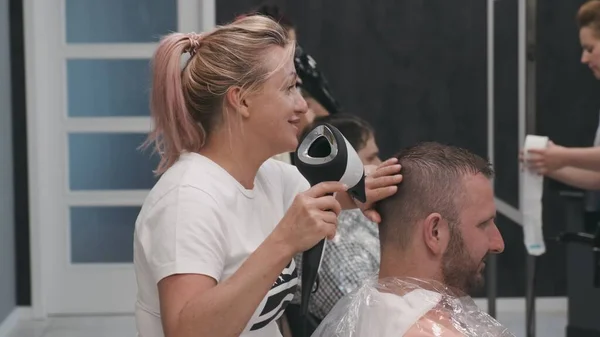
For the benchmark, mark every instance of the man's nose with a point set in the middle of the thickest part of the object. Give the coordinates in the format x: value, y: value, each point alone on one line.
x: 496, y: 241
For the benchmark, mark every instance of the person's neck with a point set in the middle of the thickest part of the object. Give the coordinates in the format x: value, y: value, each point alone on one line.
x: 235, y: 155
x: 406, y: 264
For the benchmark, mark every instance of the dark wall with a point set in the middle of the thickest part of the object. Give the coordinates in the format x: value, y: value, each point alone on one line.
x: 506, y: 101
x: 415, y: 69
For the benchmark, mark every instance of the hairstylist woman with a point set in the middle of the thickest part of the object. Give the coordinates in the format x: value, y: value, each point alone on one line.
x: 578, y: 167
x: 215, y: 238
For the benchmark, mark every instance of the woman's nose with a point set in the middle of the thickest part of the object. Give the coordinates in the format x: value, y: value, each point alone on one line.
x: 585, y: 57
x: 301, y: 105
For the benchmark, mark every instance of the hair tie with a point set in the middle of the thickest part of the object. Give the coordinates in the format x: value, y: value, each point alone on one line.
x: 194, y: 43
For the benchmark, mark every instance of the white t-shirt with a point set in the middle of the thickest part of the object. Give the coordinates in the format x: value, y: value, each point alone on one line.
x: 199, y: 219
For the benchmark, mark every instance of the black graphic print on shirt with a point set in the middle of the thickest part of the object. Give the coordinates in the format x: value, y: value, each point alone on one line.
x: 278, y: 297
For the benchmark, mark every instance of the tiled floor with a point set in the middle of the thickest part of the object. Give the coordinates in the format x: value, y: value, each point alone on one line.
x: 85, y: 326
x: 548, y: 325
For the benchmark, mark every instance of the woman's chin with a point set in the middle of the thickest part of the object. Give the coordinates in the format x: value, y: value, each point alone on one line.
x: 291, y: 144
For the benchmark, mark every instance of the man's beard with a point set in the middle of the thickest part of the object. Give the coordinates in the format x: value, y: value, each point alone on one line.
x: 458, y: 269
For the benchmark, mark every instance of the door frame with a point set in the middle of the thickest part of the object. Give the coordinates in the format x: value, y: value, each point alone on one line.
x: 44, y: 48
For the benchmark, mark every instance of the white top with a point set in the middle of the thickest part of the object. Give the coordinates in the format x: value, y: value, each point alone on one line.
x: 285, y: 157
x: 199, y: 219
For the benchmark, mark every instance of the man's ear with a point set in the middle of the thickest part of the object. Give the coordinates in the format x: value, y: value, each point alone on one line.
x: 436, y: 233
x: 237, y: 101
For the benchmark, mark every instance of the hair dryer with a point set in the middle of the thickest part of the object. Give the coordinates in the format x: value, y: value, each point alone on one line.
x: 324, y: 154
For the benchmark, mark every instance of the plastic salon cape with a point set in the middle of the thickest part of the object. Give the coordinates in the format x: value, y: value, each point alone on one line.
x: 407, y: 307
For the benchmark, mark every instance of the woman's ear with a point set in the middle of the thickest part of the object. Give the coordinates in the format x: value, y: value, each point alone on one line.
x: 237, y: 101
x: 436, y: 233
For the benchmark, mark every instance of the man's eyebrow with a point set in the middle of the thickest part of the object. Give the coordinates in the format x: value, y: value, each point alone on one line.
x: 493, y: 217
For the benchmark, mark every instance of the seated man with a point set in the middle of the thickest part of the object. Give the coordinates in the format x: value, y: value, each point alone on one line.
x: 435, y: 235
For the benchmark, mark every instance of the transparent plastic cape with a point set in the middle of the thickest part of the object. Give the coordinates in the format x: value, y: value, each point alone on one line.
x: 397, y: 307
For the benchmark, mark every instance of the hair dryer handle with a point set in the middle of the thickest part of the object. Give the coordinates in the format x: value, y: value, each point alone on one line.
x: 311, y: 263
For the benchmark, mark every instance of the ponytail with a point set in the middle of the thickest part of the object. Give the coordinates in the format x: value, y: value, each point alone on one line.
x: 175, y: 130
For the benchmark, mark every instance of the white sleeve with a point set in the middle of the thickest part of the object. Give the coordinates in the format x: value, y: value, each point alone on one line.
x: 184, y: 234
x: 294, y: 183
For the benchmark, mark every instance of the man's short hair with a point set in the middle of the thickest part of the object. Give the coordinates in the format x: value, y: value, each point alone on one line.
x: 433, y: 182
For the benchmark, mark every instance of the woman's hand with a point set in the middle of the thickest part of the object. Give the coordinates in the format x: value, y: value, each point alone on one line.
x: 381, y: 182
x: 311, y: 217
x: 545, y: 160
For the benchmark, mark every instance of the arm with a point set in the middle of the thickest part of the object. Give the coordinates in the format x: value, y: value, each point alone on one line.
x: 576, y: 177
x: 194, y: 305
x: 583, y: 157
x: 555, y: 157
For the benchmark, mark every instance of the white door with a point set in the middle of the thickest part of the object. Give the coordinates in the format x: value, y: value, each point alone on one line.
x: 88, y: 82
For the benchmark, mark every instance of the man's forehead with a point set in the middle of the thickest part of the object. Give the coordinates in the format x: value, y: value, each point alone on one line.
x: 478, y: 195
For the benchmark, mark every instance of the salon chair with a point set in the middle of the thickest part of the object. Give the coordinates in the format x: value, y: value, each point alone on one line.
x: 583, y: 272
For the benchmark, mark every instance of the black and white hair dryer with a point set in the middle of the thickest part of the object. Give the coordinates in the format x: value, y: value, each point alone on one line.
x: 324, y: 154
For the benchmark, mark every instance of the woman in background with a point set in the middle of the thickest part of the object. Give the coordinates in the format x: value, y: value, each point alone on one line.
x: 578, y: 167
x: 215, y: 238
